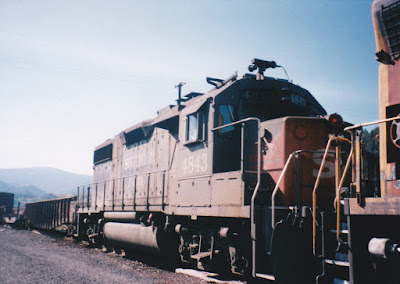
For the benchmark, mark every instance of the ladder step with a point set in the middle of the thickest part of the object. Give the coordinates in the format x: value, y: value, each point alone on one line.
x: 345, y: 231
x: 266, y: 276
x: 340, y: 281
x: 337, y: 262
x: 201, y: 255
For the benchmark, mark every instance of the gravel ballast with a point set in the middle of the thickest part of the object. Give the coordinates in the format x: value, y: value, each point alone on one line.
x: 32, y: 257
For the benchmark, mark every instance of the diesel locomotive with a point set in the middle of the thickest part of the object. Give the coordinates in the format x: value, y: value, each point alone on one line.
x: 254, y: 178
x: 198, y: 181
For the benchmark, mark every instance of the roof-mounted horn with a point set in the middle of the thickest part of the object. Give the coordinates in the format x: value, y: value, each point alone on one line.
x: 261, y: 65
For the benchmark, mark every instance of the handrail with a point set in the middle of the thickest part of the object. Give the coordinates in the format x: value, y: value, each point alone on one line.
x: 314, y: 194
x: 352, y: 130
x: 346, y: 168
x: 237, y: 122
x: 277, y: 187
x: 371, y: 123
x: 275, y: 191
x: 317, y: 181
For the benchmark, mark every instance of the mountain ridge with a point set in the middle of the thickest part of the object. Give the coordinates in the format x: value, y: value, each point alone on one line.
x: 50, y: 180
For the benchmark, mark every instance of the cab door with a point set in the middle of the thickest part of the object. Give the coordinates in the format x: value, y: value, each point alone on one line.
x: 227, y: 140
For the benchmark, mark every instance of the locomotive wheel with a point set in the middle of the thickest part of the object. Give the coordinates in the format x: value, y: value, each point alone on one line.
x: 291, y: 254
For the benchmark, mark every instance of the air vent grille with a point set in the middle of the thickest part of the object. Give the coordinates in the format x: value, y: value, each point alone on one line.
x: 391, y: 20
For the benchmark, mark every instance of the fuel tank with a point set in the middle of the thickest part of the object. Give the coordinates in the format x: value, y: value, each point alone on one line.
x: 135, y: 236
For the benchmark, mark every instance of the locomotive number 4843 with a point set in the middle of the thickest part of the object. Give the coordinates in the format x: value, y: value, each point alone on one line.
x: 194, y: 164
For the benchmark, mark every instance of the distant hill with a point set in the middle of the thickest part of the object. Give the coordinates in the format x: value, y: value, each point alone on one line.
x: 26, y: 193
x: 28, y: 190
x: 43, y: 180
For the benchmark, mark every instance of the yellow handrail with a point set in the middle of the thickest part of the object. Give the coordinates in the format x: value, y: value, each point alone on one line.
x: 317, y: 181
x: 338, y: 194
x: 314, y: 194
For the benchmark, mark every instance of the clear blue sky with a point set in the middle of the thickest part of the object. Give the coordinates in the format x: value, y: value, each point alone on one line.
x: 75, y: 73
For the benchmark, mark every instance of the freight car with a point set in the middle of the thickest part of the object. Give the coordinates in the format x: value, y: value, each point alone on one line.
x: 50, y: 214
x: 6, y: 204
x: 204, y: 179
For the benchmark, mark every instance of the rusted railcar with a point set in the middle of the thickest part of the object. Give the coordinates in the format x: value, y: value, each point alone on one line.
x: 50, y: 214
x: 203, y: 179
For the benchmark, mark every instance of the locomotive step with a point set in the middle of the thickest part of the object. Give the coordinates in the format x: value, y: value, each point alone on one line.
x: 344, y: 231
x: 337, y: 262
x: 201, y: 255
x: 92, y: 235
x: 337, y: 269
x: 265, y: 276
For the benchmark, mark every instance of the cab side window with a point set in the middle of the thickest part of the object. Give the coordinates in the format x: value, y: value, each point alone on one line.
x: 225, y: 116
x: 195, y: 127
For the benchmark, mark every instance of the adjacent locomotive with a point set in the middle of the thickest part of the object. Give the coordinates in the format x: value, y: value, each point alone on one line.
x: 196, y: 182
x: 374, y: 235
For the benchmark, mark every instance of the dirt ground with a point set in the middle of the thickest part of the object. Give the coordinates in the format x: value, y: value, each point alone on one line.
x: 33, y: 257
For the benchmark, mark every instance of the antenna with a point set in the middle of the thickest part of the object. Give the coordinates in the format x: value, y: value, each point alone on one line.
x: 179, y: 86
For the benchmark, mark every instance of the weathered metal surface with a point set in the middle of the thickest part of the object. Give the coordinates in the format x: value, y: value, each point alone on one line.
x: 137, y: 174
x: 133, y: 235
x: 210, y: 163
x: 182, y: 163
x: 389, y: 87
x: 375, y: 206
x: 120, y: 216
x: 50, y: 214
x: 229, y: 189
x: 287, y: 135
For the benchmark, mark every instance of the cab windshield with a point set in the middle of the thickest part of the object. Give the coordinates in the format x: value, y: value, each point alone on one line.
x: 267, y: 105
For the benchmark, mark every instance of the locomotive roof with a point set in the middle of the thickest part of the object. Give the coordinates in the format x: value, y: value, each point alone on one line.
x: 195, y: 100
